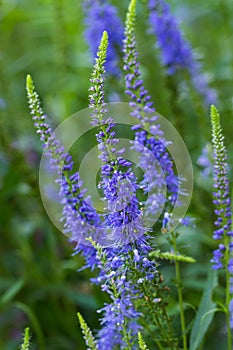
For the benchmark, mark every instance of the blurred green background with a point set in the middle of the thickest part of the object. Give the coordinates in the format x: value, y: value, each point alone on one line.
x: 39, y: 282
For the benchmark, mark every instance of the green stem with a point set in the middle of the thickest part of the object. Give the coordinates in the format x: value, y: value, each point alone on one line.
x: 157, y: 321
x: 159, y: 345
x: 126, y: 335
x: 175, y: 345
x: 180, y: 296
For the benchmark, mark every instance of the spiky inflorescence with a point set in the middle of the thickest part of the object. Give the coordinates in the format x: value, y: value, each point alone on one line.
x: 80, y: 218
x: 151, y: 145
x: 176, y: 52
x: 125, y: 273
x: 221, y: 194
x: 99, y: 17
x: 123, y: 220
x: 123, y: 224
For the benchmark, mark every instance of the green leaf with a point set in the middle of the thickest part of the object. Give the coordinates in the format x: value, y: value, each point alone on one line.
x: 34, y: 322
x: 205, y: 312
x: 12, y: 291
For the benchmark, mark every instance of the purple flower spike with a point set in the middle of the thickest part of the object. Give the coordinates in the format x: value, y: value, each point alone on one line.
x: 80, y: 218
x: 150, y: 145
x: 99, y: 17
x: 176, y: 52
x: 221, y: 195
x: 123, y: 221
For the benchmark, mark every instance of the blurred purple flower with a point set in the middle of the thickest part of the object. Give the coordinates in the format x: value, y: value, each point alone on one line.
x: 176, y: 52
x: 3, y: 103
x: 101, y: 16
x: 205, y: 161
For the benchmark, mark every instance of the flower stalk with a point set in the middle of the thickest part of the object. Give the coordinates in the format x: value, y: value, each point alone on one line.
x: 222, y: 257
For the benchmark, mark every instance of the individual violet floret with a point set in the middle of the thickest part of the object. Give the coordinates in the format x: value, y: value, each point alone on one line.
x: 221, y: 194
x: 176, y: 52
x: 101, y: 16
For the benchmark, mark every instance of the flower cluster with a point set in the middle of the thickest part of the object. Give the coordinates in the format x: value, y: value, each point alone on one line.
x: 149, y: 140
x: 124, y: 268
x: 119, y: 187
x: 222, y: 202
x: 80, y: 218
x: 116, y: 241
x: 222, y: 257
x: 124, y: 272
x: 99, y: 17
x: 125, y: 224
x: 176, y: 52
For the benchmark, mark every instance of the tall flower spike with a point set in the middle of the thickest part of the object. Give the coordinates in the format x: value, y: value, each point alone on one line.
x: 151, y: 145
x: 222, y: 257
x: 123, y: 221
x: 221, y: 194
x: 101, y: 16
x: 176, y: 52
x: 81, y: 219
x: 123, y: 226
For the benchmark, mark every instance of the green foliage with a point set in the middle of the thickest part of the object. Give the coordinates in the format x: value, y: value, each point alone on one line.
x: 11, y: 292
x: 205, y: 312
